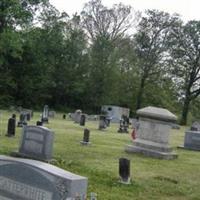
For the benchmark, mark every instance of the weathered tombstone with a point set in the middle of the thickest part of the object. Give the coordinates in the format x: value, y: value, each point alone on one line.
x: 39, y: 123
x: 52, y: 113
x: 22, y: 120
x: 64, y: 116
x: 124, y: 170
x: 28, y: 116
x: 195, y: 126
x: 93, y: 196
x: 45, y: 114
x: 124, y: 124
x: 192, y: 138
x: 77, y: 116
x: 82, y: 120
x: 36, y: 143
x: 25, y: 179
x: 102, y: 122
x: 86, y: 137
x: 11, y: 126
x: 152, y: 137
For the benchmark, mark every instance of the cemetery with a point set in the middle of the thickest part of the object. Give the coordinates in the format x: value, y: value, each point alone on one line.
x: 96, y: 168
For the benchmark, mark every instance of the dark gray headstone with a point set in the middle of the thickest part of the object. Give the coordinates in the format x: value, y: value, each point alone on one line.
x: 36, y: 142
x: 82, y: 120
x: 11, y: 127
x: 86, y: 137
x: 64, y: 116
x: 102, y: 122
x: 124, y: 170
x: 25, y: 179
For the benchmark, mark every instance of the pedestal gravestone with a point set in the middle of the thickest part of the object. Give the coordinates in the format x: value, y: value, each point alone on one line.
x: 86, y: 137
x: 11, y: 126
x: 152, y: 137
x: 25, y: 179
x: 45, y: 114
x: 36, y: 143
x: 192, y: 137
x: 124, y: 170
x: 22, y: 120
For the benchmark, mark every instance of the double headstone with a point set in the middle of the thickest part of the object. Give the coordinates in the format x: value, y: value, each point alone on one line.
x: 45, y: 114
x: 152, y: 137
x: 11, y: 126
x: 25, y: 179
x: 36, y: 143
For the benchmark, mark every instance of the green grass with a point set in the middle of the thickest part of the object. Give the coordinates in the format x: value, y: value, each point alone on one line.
x: 151, y: 178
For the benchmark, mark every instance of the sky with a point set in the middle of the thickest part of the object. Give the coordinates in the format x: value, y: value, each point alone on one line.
x: 188, y: 9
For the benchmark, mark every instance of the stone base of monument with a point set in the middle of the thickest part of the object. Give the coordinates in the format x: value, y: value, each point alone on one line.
x: 85, y: 143
x: 151, y: 149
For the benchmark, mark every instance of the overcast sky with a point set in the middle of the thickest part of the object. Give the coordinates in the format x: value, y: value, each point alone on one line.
x: 188, y: 9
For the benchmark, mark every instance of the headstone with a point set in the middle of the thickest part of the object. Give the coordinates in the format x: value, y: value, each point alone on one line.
x: 82, y: 120
x: 102, y: 122
x: 11, y: 126
x: 152, y: 137
x: 45, y: 114
x: 25, y: 179
x: 195, y: 126
x: 39, y: 123
x: 124, y: 170
x: 124, y: 124
x: 86, y: 137
x: 77, y: 116
x: 192, y: 140
x: 93, y: 196
x: 36, y: 143
x: 52, y: 113
x: 64, y: 116
x: 22, y: 120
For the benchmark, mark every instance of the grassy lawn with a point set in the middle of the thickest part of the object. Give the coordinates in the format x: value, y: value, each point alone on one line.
x: 151, y: 178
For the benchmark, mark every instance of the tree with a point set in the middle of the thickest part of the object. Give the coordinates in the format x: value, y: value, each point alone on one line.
x: 185, y: 53
x: 151, y: 47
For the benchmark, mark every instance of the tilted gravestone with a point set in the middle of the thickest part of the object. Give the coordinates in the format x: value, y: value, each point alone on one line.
x: 25, y: 179
x: 152, y: 137
x: 36, y: 143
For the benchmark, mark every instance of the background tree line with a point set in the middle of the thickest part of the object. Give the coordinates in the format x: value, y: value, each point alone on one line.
x: 102, y: 56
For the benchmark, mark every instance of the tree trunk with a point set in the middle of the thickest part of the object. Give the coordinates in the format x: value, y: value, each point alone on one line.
x: 185, y: 110
x: 140, y: 93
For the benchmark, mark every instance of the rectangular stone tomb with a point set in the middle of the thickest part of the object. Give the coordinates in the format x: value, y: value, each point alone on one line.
x: 152, y: 136
x: 36, y: 142
x: 25, y: 179
x: 192, y: 140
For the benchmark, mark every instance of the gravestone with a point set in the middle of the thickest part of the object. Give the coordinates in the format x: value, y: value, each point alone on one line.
x: 11, y: 126
x: 124, y: 170
x: 22, y: 120
x: 64, y: 116
x: 77, y: 116
x: 45, y: 114
x: 36, y: 143
x: 86, y: 137
x: 82, y: 120
x: 52, y: 113
x: 152, y: 137
x: 102, y: 122
x: 124, y: 124
x: 195, y: 126
x: 39, y: 123
x: 25, y: 179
